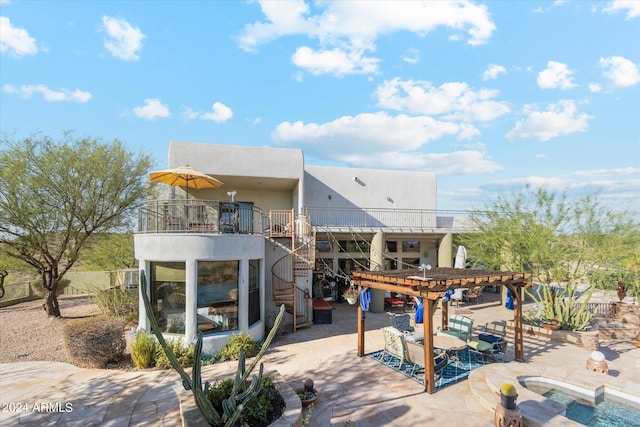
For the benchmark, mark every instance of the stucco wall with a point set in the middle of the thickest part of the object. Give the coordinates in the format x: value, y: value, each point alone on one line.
x: 372, y: 188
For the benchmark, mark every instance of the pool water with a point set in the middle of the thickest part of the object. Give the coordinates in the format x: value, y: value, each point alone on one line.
x: 604, y: 414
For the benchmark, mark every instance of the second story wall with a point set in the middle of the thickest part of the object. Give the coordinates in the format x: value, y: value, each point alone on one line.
x: 369, y: 188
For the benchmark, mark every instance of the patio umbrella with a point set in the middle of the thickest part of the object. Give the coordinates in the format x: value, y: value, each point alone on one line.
x: 184, y: 176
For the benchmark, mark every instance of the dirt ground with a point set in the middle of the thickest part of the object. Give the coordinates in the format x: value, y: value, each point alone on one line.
x: 27, y: 334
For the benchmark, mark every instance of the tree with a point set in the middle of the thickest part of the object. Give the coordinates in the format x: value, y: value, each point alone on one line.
x: 54, y: 195
x: 556, y: 240
x: 110, y: 251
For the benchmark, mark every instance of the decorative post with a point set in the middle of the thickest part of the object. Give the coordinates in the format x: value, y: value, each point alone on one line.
x: 597, y: 363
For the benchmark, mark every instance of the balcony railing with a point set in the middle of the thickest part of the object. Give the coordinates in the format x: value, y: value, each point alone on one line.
x: 399, y: 219
x: 199, y: 216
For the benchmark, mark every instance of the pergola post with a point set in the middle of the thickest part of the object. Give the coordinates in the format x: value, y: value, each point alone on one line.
x: 429, y: 368
x: 360, y: 327
x: 517, y: 323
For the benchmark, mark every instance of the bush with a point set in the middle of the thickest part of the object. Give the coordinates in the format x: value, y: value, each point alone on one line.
x: 143, y: 350
x: 263, y: 409
x: 183, y: 354
x: 118, y: 302
x: 239, y: 341
x: 94, y: 342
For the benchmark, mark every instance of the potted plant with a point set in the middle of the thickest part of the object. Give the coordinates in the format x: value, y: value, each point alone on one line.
x: 351, y: 295
x: 508, y: 396
x: 308, y: 394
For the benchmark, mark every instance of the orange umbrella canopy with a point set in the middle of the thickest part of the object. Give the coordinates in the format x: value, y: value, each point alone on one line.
x: 184, y: 176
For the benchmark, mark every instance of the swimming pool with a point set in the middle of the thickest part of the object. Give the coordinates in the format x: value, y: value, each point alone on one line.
x: 596, y: 408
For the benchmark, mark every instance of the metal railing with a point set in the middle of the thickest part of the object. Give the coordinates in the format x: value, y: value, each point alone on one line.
x: 599, y: 309
x: 407, y: 219
x: 199, y: 216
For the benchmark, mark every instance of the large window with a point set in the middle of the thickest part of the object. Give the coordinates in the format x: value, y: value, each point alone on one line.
x: 410, y: 246
x: 168, y: 295
x: 217, y: 296
x: 254, y: 291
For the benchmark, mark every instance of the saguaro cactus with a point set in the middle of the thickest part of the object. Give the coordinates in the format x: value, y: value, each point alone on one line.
x: 243, y: 390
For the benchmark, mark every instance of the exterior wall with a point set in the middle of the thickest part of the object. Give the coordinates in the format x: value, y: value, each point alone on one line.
x: 232, y: 160
x: 372, y: 189
x: 192, y: 248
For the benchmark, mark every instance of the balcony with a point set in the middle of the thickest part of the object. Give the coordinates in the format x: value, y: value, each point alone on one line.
x: 399, y: 220
x: 199, y: 216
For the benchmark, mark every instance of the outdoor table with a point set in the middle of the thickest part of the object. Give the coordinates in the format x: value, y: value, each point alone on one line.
x: 450, y: 345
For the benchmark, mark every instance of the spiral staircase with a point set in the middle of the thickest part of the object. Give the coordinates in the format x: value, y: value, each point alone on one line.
x: 296, y: 266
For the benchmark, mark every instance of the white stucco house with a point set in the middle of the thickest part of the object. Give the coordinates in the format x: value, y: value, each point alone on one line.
x: 220, y: 261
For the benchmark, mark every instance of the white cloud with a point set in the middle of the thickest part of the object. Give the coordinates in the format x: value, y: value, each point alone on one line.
x: 556, y: 75
x: 412, y: 56
x: 621, y: 71
x: 595, y: 88
x: 493, y: 71
x: 454, y: 100
x: 49, y: 95
x: 15, y: 41
x: 348, y: 29
x: 334, y: 61
x: 124, y: 41
x: 152, y: 110
x: 221, y: 113
x: 454, y: 163
x: 632, y: 7
x: 374, y: 132
x: 558, y: 119
x: 363, y: 140
x: 599, y: 172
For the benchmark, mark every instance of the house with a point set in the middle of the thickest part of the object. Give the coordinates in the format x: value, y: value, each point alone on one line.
x: 220, y: 261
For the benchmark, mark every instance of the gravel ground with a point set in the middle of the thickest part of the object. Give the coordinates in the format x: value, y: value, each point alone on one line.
x: 27, y: 334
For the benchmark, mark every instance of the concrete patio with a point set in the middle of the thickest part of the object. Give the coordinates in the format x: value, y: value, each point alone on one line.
x: 354, y: 391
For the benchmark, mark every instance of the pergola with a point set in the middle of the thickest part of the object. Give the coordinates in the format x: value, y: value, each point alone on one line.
x: 432, y: 285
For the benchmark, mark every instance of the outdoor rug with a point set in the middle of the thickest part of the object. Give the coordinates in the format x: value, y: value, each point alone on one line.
x: 454, y: 372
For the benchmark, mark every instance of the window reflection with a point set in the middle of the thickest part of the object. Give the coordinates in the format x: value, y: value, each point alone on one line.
x: 168, y: 296
x: 217, y: 296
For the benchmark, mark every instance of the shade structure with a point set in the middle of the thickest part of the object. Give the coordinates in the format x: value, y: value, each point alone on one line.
x: 184, y: 176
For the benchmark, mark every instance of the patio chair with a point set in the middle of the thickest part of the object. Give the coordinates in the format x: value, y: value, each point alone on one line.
x: 415, y: 355
x: 475, y: 292
x: 402, y: 322
x: 393, y: 344
x: 459, y: 327
x: 490, y: 344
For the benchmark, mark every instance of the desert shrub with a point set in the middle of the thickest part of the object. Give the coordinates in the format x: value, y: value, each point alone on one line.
x: 239, y: 341
x: 263, y: 409
x: 118, y: 302
x: 95, y: 341
x: 183, y: 354
x: 143, y: 349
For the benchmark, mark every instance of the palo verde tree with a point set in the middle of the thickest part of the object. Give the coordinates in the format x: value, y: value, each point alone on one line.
x: 55, y: 194
x: 557, y: 240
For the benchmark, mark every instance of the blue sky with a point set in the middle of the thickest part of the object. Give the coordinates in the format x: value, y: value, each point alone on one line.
x: 487, y: 95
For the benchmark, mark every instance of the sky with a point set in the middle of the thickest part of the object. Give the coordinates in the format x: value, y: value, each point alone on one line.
x: 489, y: 96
